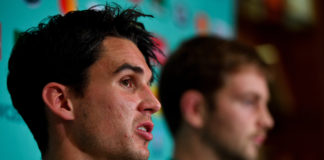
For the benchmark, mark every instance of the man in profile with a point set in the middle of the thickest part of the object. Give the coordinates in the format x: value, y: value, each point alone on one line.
x: 214, y: 95
x: 82, y: 82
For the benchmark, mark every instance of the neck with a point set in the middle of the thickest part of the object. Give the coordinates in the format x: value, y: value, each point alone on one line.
x: 60, y: 146
x: 190, y: 146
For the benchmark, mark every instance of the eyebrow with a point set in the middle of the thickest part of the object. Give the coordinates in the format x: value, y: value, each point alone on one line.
x: 258, y: 97
x: 135, y: 69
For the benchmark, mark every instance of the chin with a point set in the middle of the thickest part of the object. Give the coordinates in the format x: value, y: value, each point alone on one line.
x: 145, y: 153
x: 142, y: 154
x: 136, y: 155
x: 252, y: 155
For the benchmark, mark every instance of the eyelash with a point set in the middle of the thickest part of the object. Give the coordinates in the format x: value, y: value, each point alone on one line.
x: 248, y: 102
x: 127, y: 81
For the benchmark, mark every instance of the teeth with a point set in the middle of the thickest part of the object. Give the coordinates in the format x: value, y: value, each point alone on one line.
x: 142, y: 128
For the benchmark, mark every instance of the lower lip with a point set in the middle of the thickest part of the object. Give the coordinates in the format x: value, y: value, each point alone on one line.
x: 146, y: 135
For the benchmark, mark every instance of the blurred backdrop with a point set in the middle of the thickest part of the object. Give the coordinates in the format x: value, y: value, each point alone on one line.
x: 288, y: 34
x: 174, y: 21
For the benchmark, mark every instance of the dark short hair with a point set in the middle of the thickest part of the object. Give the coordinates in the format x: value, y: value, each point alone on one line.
x: 61, y: 49
x: 201, y: 64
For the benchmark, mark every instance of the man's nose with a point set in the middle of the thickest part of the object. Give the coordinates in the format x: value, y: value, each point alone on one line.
x: 266, y: 120
x: 149, y: 104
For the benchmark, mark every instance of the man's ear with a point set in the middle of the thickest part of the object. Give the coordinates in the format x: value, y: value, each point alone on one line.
x: 55, y: 96
x: 192, y: 108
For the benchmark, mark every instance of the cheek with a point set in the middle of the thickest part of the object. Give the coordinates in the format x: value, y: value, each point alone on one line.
x: 242, y: 119
x: 233, y: 118
x: 112, y: 106
x: 122, y: 105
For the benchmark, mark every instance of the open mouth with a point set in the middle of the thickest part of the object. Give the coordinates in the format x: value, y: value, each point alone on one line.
x: 259, y: 140
x: 145, y: 129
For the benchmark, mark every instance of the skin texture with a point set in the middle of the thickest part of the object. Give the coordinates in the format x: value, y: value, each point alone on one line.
x: 237, y: 126
x: 116, y: 102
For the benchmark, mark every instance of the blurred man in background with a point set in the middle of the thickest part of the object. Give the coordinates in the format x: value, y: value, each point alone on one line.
x: 82, y: 82
x: 214, y: 95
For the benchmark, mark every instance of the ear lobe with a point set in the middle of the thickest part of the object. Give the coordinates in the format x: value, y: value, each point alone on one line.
x: 192, y: 108
x: 55, y: 98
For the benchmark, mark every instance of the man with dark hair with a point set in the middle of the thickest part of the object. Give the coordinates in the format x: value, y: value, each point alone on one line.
x: 82, y: 82
x: 214, y: 95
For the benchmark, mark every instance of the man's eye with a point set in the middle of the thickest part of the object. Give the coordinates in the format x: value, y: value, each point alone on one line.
x: 248, y: 102
x: 127, y: 83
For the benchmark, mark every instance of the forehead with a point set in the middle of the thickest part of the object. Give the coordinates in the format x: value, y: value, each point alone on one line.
x: 117, y: 51
x: 114, y: 53
x: 116, y: 48
x: 249, y: 80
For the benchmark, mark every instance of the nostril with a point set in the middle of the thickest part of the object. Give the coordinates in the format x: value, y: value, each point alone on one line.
x: 148, y: 110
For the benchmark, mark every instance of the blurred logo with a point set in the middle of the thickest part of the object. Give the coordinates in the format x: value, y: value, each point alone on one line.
x: 32, y: 3
x: 67, y: 6
x: 181, y: 15
x: 10, y: 113
x: 136, y: 1
x: 201, y: 20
